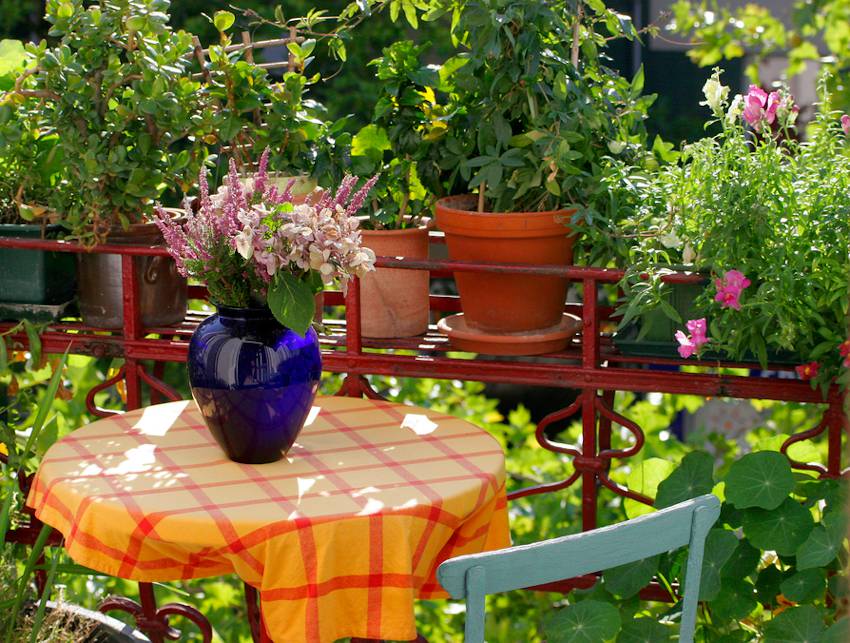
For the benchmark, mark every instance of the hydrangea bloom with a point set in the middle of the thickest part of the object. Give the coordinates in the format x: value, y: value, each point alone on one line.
x: 693, y: 343
x: 729, y: 289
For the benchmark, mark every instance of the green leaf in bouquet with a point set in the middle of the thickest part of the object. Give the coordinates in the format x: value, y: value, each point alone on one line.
x: 292, y: 302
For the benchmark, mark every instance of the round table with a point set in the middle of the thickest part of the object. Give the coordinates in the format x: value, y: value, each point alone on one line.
x: 339, y: 537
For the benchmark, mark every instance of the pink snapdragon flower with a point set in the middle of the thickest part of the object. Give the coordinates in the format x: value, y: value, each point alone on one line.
x: 761, y: 108
x: 729, y: 289
x: 808, y: 371
x: 845, y: 124
x: 693, y: 343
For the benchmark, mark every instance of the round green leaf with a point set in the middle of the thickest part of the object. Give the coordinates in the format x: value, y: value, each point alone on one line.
x: 822, y: 545
x: 627, y: 580
x: 223, y: 20
x: 694, y: 477
x: 743, y: 561
x: 761, y: 479
x: 838, y: 632
x: 646, y: 630
x: 737, y: 598
x: 645, y: 478
x: 584, y: 622
x: 719, y: 546
x: 783, y: 530
x: 796, y: 625
x: 804, y: 586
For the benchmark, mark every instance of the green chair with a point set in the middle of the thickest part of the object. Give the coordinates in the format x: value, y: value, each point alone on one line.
x: 474, y: 576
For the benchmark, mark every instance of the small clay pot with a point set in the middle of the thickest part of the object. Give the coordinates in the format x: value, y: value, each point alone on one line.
x: 507, y: 303
x: 394, y: 301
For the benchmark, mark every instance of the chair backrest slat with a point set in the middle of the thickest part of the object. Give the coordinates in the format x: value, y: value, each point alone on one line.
x: 686, y: 523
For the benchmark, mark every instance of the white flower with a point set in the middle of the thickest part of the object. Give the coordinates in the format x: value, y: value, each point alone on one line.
x: 245, y: 242
x: 615, y: 147
x: 715, y: 93
x: 735, y: 110
x: 670, y: 240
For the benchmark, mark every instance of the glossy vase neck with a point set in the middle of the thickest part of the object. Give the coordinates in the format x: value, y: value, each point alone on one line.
x: 250, y: 314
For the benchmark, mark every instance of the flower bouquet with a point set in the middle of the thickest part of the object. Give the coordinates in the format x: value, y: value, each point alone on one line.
x: 255, y: 365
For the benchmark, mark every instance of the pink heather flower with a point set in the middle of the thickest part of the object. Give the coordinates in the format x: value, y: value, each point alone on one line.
x: 729, y: 289
x: 808, y: 371
x: 845, y: 124
x: 690, y: 345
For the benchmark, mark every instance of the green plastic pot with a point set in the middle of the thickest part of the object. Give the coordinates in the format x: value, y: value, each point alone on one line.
x: 35, y: 277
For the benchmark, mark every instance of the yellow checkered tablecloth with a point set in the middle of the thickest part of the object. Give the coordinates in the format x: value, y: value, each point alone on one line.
x: 339, y: 537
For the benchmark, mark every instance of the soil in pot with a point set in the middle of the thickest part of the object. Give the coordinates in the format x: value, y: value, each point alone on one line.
x: 162, y: 291
x: 507, y: 303
x: 394, y: 302
x: 35, y: 278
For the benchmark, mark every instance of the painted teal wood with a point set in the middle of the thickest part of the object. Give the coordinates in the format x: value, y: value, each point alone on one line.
x: 474, y: 576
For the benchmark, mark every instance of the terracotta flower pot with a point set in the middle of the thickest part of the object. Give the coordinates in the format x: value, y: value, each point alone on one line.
x: 162, y: 291
x: 505, y: 303
x: 394, y: 302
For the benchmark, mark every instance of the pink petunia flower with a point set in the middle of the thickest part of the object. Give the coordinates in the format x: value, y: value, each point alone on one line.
x: 845, y: 124
x: 729, y: 289
x: 693, y: 343
x: 808, y: 371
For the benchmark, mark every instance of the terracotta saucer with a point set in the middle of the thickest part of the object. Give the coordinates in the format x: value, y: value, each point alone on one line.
x: 539, y: 342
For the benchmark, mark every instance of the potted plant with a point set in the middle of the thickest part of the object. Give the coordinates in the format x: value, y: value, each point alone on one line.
x: 765, y: 217
x: 406, y: 122
x: 34, y: 284
x: 117, y: 90
x: 254, y: 366
x: 531, y: 131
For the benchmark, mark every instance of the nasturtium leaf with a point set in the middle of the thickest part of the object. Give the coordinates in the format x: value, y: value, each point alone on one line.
x: 838, y: 632
x: 762, y: 479
x: 627, y: 580
x: 768, y: 584
x: 584, y: 622
x: 645, y: 478
x: 804, y: 586
x: 783, y: 529
x: 646, y: 630
x: 823, y: 543
x: 694, y: 477
x: 801, y: 624
x: 742, y: 562
x: 291, y: 302
x: 736, y: 599
x: 719, y: 546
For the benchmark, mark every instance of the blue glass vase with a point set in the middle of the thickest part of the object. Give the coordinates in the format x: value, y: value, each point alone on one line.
x: 254, y: 381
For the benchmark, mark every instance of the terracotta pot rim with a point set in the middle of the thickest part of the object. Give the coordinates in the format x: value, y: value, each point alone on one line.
x: 425, y: 224
x: 501, y: 225
x: 449, y: 204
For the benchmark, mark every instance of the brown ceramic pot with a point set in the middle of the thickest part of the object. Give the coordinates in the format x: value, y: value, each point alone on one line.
x: 162, y: 291
x: 505, y: 303
x: 394, y: 302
